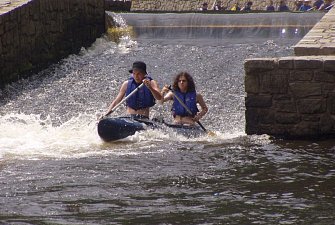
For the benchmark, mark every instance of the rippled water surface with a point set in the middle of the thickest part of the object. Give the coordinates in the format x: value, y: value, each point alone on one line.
x: 54, y: 169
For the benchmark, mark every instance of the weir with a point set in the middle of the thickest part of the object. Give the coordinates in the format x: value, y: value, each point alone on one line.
x: 222, y: 26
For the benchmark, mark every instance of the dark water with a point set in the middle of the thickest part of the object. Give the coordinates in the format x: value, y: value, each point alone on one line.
x: 54, y: 169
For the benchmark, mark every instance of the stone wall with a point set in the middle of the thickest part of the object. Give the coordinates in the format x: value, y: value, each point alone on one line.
x: 36, y: 33
x: 291, y: 96
x: 320, y: 40
x: 294, y: 97
x: 194, y: 5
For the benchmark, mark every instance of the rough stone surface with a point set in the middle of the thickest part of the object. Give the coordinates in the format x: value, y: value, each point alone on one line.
x: 36, y: 33
x: 289, y: 100
x: 320, y: 39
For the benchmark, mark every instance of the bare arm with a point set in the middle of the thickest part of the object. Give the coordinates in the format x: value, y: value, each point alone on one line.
x: 153, y: 87
x: 168, y: 96
x: 203, y: 106
x: 118, y: 98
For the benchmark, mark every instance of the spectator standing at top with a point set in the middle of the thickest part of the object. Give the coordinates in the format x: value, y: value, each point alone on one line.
x: 235, y: 7
x: 298, y: 4
x: 317, y: 4
x: 306, y: 6
x: 204, y: 7
x: 247, y: 7
x: 218, y: 6
x: 327, y: 5
x: 282, y: 6
x: 270, y: 7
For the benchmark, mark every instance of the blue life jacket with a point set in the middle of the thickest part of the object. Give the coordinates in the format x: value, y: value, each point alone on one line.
x: 143, y: 97
x: 189, y: 99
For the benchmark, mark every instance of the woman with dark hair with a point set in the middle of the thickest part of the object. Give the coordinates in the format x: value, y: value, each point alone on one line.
x: 184, y: 89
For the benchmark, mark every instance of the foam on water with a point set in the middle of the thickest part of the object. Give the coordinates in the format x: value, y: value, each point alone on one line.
x: 31, y: 137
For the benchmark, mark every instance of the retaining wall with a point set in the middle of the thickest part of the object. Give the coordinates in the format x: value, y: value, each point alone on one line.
x: 291, y: 96
x: 36, y: 33
x: 294, y: 97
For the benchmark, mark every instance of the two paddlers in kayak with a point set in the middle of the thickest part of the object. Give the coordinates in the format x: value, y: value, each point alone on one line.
x: 141, y: 92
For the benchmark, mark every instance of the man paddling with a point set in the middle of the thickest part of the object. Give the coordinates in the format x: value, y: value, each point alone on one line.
x: 142, y: 97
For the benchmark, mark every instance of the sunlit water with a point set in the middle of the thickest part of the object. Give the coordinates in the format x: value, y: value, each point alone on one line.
x: 54, y: 169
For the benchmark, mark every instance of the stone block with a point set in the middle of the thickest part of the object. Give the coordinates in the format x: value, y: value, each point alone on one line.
x: 301, y: 75
x: 327, y: 124
x: 308, y: 63
x: 287, y: 118
x: 305, y: 89
x: 2, y: 29
x: 259, y: 101
x: 328, y: 50
x: 275, y: 82
x: 282, y: 97
x: 251, y: 84
x: 260, y: 64
x: 328, y: 88
x: 305, y: 49
x: 286, y: 63
x: 324, y: 77
x: 331, y: 103
x: 266, y: 116
x: 311, y: 106
x: 305, y: 129
x: 285, y: 106
x: 329, y: 65
x: 311, y: 117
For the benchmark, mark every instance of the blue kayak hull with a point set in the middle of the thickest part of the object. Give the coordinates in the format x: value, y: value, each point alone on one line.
x: 112, y: 129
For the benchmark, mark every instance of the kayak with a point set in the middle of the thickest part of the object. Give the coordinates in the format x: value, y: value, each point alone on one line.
x: 116, y: 128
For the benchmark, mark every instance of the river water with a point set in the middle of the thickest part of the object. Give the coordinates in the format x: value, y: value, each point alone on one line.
x: 54, y: 169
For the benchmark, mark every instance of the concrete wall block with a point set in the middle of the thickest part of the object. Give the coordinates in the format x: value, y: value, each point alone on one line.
x: 305, y: 89
x: 308, y: 63
x: 301, y: 75
x: 260, y: 101
x: 329, y: 65
x: 312, y: 106
x: 287, y: 118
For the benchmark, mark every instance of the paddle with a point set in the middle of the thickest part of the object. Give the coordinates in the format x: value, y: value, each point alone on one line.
x: 123, y: 100
x: 189, y: 112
